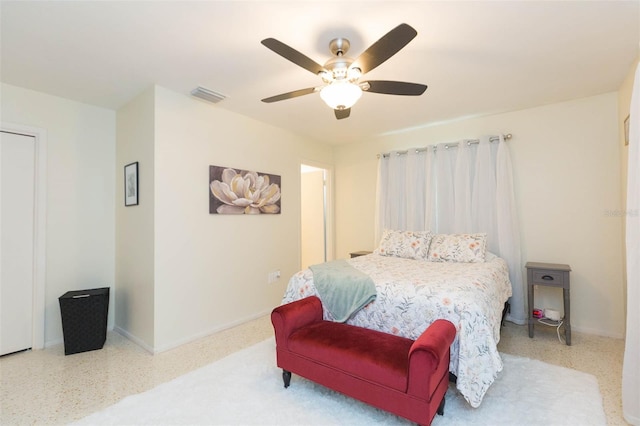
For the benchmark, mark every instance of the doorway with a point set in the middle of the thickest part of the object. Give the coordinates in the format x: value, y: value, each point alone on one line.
x: 22, y: 245
x: 17, y: 160
x: 316, y: 245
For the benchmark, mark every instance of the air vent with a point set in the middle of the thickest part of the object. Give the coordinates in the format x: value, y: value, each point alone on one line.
x: 207, y: 95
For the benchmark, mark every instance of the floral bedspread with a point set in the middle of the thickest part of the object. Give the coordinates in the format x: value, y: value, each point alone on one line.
x: 414, y: 293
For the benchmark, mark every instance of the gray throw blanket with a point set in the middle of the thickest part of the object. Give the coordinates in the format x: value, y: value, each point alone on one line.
x: 343, y: 289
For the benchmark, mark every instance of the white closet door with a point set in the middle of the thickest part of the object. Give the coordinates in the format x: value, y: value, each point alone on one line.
x: 17, y: 172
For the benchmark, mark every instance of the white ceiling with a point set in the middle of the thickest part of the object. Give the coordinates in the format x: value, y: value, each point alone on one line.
x: 477, y: 57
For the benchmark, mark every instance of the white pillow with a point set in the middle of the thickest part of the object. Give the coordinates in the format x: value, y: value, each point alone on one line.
x: 406, y: 244
x: 464, y: 248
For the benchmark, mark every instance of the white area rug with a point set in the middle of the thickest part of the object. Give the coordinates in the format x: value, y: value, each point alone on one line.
x: 246, y: 389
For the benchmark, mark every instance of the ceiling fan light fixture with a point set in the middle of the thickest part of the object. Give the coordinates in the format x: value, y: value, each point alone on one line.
x: 340, y: 74
x: 326, y: 76
x: 341, y: 94
x: 354, y: 73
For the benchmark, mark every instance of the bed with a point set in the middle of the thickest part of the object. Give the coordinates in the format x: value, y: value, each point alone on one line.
x: 413, y: 291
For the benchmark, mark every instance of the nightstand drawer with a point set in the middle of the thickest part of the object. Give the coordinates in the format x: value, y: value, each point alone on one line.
x: 550, y: 274
x: 547, y: 277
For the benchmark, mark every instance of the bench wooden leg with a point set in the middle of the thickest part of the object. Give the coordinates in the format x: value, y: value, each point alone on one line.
x: 453, y: 378
x: 286, y: 377
x: 440, y: 411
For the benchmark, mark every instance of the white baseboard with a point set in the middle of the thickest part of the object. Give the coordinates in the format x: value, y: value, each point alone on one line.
x: 585, y: 330
x: 53, y: 343
x: 596, y: 332
x: 631, y: 419
x: 211, y: 331
x: 189, y: 339
x: 133, y: 338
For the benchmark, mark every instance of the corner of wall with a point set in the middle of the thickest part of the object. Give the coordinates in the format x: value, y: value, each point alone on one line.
x: 624, y: 105
x: 134, y: 257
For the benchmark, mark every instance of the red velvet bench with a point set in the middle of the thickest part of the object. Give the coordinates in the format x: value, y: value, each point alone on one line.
x: 405, y: 377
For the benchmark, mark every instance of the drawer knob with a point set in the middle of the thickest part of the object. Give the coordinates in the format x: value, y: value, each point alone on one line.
x: 547, y: 277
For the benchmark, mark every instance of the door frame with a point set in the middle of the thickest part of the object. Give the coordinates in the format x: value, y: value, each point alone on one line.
x: 39, y: 227
x: 328, y: 206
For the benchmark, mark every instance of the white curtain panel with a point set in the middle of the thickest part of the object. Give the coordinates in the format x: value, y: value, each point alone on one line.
x: 509, y: 231
x: 381, y: 194
x: 396, y: 192
x: 415, y: 175
x: 455, y: 188
x: 483, y: 202
x: 631, y: 366
x: 462, y: 189
x: 429, y: 189
x: 444, y: 164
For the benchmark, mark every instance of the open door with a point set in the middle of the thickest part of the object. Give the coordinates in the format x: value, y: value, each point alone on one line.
x: 17, y: 201
x: 315, y: 211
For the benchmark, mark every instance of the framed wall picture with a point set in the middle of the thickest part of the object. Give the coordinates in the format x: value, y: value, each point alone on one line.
x: 243, y: 192
x: 626, y: 130
x: 131, y: 184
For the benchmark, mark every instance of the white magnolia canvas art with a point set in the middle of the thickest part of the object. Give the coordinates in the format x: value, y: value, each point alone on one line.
x: 236, y: 191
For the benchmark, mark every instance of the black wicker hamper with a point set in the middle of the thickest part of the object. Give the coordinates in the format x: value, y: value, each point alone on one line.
x: 84, y: 319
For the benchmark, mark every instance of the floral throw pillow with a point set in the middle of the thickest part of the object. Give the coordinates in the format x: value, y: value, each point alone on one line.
x: 464, y: 248
x: 406, y: 244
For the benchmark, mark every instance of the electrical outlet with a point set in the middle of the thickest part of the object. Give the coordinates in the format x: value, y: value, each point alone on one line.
x: 273, y: 276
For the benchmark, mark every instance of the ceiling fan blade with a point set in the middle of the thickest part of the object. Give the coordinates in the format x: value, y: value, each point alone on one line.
x: 290, y: 95
x: 342, y: 113
x: 394, y: 87
x: 292, y: 55
x: 386, y: 47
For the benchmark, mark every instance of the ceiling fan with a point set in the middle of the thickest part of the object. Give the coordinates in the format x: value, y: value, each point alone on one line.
x: 341, y: 74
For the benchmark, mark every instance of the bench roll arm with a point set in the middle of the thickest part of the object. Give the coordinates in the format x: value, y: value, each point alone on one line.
x: 429, y: 356
x: 292, y: 316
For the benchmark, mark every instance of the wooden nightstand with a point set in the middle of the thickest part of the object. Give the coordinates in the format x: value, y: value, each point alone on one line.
x: 359, y: 253
x: 552, y: 275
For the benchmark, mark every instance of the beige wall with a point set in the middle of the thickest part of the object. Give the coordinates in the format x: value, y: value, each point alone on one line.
x: 135, y: 237
x: 211, y: 270
x: 178, y: 272
x: 566, y: 160
x: 80, y: 193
